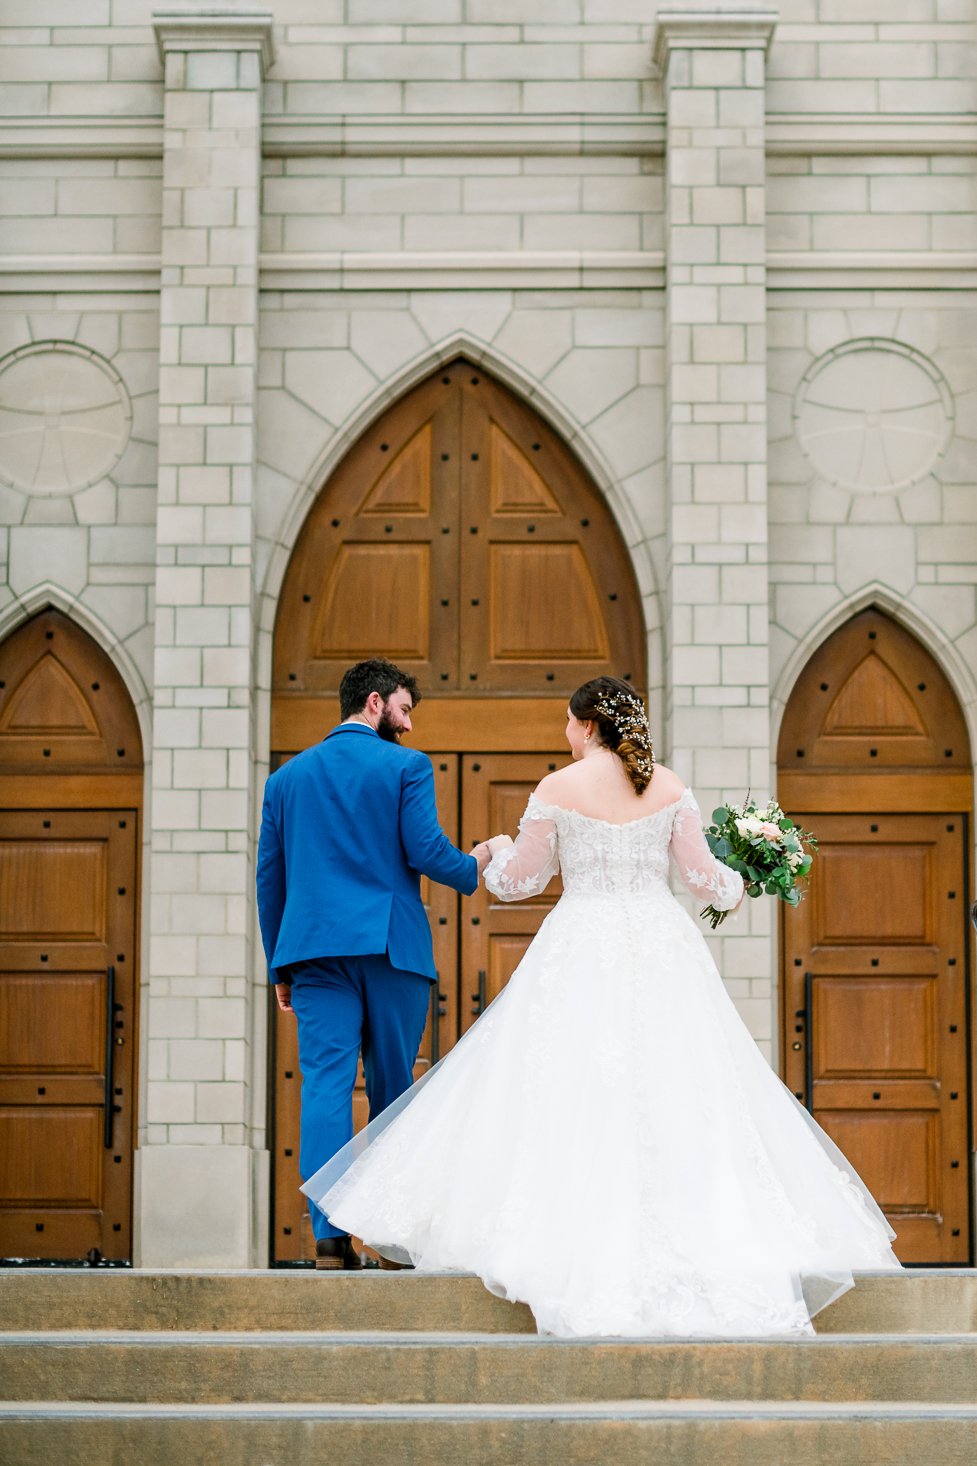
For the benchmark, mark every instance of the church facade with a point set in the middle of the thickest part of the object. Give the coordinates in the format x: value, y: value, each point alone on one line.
x: 518, y: 344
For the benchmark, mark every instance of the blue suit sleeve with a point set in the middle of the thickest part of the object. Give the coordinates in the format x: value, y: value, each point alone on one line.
x: 270, y: 883
x: 426, y: 846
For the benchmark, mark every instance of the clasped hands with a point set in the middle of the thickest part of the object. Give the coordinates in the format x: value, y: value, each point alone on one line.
x: 485, y: 849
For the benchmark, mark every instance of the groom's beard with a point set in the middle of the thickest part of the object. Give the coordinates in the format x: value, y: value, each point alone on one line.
x: 386, y: 728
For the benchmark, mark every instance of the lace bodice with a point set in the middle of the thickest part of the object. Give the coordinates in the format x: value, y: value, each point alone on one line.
x: 595, y: 856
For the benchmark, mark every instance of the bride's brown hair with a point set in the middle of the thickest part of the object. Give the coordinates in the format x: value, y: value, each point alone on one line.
x: 619, y: 716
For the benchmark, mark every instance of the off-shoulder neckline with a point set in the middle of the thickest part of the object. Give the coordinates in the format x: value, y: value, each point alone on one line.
x: 595, y: 819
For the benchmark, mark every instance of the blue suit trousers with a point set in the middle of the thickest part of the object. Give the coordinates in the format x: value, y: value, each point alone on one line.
x: 343, y: 1005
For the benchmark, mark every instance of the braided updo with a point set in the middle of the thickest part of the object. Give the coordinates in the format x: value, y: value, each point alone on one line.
x: 619, y: 716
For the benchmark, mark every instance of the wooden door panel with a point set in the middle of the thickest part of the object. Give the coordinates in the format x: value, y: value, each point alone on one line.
x: 545, y: 605
x: 505, y: 952
x: 873, y: 697
x: 495, y: 934
x: 375, y: 569
x: 292, y: 1237
x: 75, y: 1045
x: 549, y: 597
x: 875, y: 1016
x: 51, y: 1157
x: 378, y: 595
x: 870, y: 893
x: 63, y: 705
x: 883, y: 1025
x: 67, y: 916
x: 34, y: 880
x: 897, y: 1156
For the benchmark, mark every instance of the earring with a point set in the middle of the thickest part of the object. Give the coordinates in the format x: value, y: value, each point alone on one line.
x: 586, y: 738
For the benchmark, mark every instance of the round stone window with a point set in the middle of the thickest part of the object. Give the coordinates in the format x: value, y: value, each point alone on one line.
x: 65, y: 418
x: 873, y: 416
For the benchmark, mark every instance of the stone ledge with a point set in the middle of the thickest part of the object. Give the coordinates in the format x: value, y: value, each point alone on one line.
x: 577, y: 135
x: 501, y: 270
x: 215, y: 29
x: 712, y: 27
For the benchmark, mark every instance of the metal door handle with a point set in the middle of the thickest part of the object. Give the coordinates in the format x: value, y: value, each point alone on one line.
x: 478, y: 999
x: 109, y: 1054
x: 809, y: 1052
x: 437, y: 1013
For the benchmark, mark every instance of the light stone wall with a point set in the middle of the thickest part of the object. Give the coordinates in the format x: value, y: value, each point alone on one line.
x: 90, y: 544
x: 914, y: 547
x: 489, y: 177
x: 866, y: 56
x: 865, y: 203
x: 462, y: 204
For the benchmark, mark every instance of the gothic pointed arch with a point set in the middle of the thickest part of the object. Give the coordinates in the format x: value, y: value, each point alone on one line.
x: 63, y: 704
x: 462, y: 538
x: 873, y: 698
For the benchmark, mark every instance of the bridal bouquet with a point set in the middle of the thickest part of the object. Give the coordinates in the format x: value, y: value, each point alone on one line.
x: 772, y: 855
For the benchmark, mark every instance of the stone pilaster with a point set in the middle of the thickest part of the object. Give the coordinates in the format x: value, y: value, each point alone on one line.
x: 195, y: 1182
x: 712, y: 59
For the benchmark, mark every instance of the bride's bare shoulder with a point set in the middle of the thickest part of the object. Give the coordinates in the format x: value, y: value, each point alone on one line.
x: 667, y: 784
x: 553, y: 788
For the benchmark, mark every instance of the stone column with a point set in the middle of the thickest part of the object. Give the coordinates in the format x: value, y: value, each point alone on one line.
x: 195, y: 1185
x: 712, y: 60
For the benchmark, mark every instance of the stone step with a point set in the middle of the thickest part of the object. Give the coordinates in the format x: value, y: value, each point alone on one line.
x: 918, y: 1301
x: 41, y: 1298
x: 623, y: 1433
x: 419, y: 1368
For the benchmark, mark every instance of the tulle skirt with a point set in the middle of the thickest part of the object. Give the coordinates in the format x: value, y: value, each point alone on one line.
x: 608, y: 1145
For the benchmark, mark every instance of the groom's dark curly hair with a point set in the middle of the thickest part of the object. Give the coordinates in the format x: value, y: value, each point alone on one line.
x: 375, y: 675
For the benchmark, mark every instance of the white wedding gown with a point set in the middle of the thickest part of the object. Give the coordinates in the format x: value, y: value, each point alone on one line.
x: 607, y: 1143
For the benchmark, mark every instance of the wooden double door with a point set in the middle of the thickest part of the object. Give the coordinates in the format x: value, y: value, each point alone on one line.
x: 478, y: 943
x: 874, y: 757
x: 462, y: 538
x: 875, y: 1017
x: 67, y: 1000
x: 70, y: 792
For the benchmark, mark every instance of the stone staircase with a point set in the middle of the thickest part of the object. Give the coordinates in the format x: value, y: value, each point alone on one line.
x: 381, y: 1369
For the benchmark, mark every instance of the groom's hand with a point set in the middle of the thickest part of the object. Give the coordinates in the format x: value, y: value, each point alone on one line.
x: 283, y: 992
x: 482, y: 855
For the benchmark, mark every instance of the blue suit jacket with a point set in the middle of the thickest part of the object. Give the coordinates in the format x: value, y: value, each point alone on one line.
x: 347, y: 830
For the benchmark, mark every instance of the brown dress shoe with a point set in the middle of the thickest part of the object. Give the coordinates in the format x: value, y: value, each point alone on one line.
x: 388, y: 1265
x: 335, y: 1254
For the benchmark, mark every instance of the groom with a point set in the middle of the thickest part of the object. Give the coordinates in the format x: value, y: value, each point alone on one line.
x: 347, y: 830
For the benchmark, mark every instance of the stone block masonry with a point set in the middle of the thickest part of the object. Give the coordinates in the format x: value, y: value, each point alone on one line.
x: 713, y: 66
x: 200, y: 868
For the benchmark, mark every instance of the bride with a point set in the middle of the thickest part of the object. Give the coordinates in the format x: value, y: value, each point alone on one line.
x: 607, y: 1144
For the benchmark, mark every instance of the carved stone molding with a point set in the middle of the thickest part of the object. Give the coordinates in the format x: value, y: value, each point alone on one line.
x: 712, y: 27
x: 215, y: 29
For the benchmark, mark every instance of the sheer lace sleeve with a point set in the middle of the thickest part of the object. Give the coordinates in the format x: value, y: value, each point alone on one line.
x: 526, y: 868
x: 705, y: 876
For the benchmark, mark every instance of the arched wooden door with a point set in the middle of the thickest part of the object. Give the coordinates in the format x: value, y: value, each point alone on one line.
x: 874, y: 757
x: 70, y: 795
x: 461, y: 538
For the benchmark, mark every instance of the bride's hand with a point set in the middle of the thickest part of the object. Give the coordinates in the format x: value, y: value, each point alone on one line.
x: 499, y: 842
